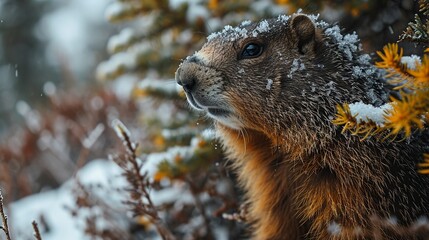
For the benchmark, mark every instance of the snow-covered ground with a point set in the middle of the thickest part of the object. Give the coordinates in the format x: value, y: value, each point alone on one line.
x: 52, y: 205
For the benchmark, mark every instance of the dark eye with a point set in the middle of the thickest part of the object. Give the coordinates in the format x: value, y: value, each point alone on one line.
x: 251, y: 50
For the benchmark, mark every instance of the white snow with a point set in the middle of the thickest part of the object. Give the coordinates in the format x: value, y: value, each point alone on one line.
x: 411, y: 61
x: 120, y: 129
x: 123, y: 61
x: 175, y: 4
x: 296, y: 66
x: 52, y: 205
x: 334, y: 228
x: 245, y: 23
x: 124, y: 85
x: 122, y: 39
x: 208, y: 134
x: 269, y: 84
x: 229, y: 33
x: 261, y: 28
x: 118, y: 62
x: 348, y: 43
x: 364, y: 72
x: 283, y: 18
x: 367, y: 112
x: 232, y: 33
x: 106, y: 174
x: 117, y: 8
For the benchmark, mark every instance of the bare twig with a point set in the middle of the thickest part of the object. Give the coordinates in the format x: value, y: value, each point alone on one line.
x: 200, y: 207
x: 139, y: 183
x: 5, y: 226
x: 36, y: 231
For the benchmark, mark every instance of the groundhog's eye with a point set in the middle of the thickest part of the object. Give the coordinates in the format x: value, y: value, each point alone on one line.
x: 251, y: 50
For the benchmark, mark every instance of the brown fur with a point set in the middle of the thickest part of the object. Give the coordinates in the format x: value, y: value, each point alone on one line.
x: 304, y: 179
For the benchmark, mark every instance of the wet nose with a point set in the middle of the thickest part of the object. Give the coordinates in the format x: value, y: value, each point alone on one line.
x: 186, y: 75
x: 187, y: 83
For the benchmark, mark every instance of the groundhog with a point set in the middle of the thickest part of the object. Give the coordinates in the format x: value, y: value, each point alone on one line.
x: 272, y: 88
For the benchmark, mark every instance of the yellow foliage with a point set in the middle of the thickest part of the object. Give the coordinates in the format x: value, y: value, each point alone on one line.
x: 406, y: 114
x: 159, y: 141
x: 390, y: 56
x: 410, y: 111
x: 421, y: 73
x: 350, y: 123
x: 159, y: 175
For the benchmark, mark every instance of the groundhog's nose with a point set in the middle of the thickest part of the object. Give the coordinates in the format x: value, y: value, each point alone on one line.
x: 185, y: 76
x: 187, y: 84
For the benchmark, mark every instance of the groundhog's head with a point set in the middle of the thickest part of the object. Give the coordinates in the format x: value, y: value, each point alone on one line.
x: 249, y: 73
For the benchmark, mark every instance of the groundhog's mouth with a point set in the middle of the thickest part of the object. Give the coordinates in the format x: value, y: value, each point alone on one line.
x: 213, y: 111
x: 218, y: 112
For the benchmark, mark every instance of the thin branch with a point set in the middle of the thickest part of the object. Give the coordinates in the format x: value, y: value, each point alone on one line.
x: 200, y: 206
x: 36, y: 231
x: 138, y: 182
x: 5, y: 226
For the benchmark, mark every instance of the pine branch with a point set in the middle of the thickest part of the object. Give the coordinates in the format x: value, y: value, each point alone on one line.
x: 418, y: 30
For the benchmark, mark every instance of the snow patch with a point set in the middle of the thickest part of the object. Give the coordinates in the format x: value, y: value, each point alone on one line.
x: 261, y: 28
x: 269, y: 84
x: 52, y: 205
x: 334, y: 228
x: 363, y: 72
x: 122, y: 39
x: 367, y: 112
x: 297, y: 65
x: 117, y: 8
x: 232, y: 33
x: 411, y: 61
x: 348, y: 43
x: 245, y: 23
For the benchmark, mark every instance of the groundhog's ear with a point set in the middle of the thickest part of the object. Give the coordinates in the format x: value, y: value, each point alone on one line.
x: 305, y: 32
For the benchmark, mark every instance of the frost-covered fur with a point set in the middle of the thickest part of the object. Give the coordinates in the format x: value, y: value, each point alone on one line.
x: 304, y: 179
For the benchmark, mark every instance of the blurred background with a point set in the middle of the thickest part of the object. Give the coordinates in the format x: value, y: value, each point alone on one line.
x: 68, y: 68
